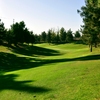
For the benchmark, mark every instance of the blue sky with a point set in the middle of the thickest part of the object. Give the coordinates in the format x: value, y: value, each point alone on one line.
x: 41, y: 15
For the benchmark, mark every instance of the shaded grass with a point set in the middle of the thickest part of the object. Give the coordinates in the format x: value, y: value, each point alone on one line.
x: 7, y: 82
x: 72, y: 74
x: 34, y: 50
x: 11, y: 62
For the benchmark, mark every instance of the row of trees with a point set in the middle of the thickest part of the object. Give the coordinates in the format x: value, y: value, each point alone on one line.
x: 59, y: 36
x: 19, y: 33
x: 91, y: 18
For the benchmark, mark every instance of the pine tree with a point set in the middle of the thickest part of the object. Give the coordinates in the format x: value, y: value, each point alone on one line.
x: 91, y: 18
x: 2, y: 32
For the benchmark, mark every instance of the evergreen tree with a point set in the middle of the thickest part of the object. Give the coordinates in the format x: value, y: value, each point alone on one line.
x: 17, y: 30
x: 49, y: 36
x: 77, y: 34
x: 53, y: 36
x: 69, y: 36
x: 32, y: 37
x: 91, y: 18
x: 43, y: 36
x: 2, y: 32
x: 62, y: 35
x: 57, y: 37
x: 37, y: 38
x: 27, y: 36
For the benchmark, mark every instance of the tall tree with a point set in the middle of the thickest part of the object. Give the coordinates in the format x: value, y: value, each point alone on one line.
x: 49, y: 36
x: 57, y: 37
x: 2, y: 32
x: 43, y: 36
x: 27, y: 36
x: 53, y: 35
x: 18, y: 32
x: 69, y: 36
x: 91, y: 18
x: 63, y: 35
x: 77, y: 34
x: 37, y: 38
x: 32, y: 37
x: 9, y: 37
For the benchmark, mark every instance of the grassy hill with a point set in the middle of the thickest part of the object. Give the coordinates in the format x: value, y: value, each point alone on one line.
x: 50, y: 72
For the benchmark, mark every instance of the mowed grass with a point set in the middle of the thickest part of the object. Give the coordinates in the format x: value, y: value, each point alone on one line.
x: 50, y: 72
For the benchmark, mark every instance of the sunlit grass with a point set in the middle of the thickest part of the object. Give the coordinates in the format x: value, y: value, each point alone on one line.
x: 73, y: 74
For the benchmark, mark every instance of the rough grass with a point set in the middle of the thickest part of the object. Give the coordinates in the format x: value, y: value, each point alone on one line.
x: 50, y: 72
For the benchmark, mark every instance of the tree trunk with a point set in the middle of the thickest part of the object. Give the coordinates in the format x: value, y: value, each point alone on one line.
x: 90, y: 47
x: 95, y: 45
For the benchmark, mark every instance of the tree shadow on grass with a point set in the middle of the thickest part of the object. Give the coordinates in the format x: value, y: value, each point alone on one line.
x: 8, y: 82
x: 11, y: 62
x: 33, y: 50
x: 84, y: 58
x: 89, y: 57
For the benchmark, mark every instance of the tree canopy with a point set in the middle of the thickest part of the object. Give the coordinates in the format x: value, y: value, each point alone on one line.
x: 91, y: 19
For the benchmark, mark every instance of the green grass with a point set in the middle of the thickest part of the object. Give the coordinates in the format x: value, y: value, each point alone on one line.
x: 50, y: 72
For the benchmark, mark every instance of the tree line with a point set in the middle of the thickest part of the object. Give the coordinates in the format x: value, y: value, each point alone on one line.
x: 19, y: 33
x: 90, y: 13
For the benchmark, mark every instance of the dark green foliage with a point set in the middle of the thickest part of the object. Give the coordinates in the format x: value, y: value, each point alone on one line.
x: 2, y: 32
x: 62, y: 35
x: 43, y: 36
x: 77, y: 34
x: 32, y: 38
x: 9, y: 37
x: 19, y: 33
x: 27, y: 36
x: 37, y: 38
x: 69, y: 36
x: 49, y: 36
x: 58, y: 37
x: 91, y: 18
x: 53, y: 36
